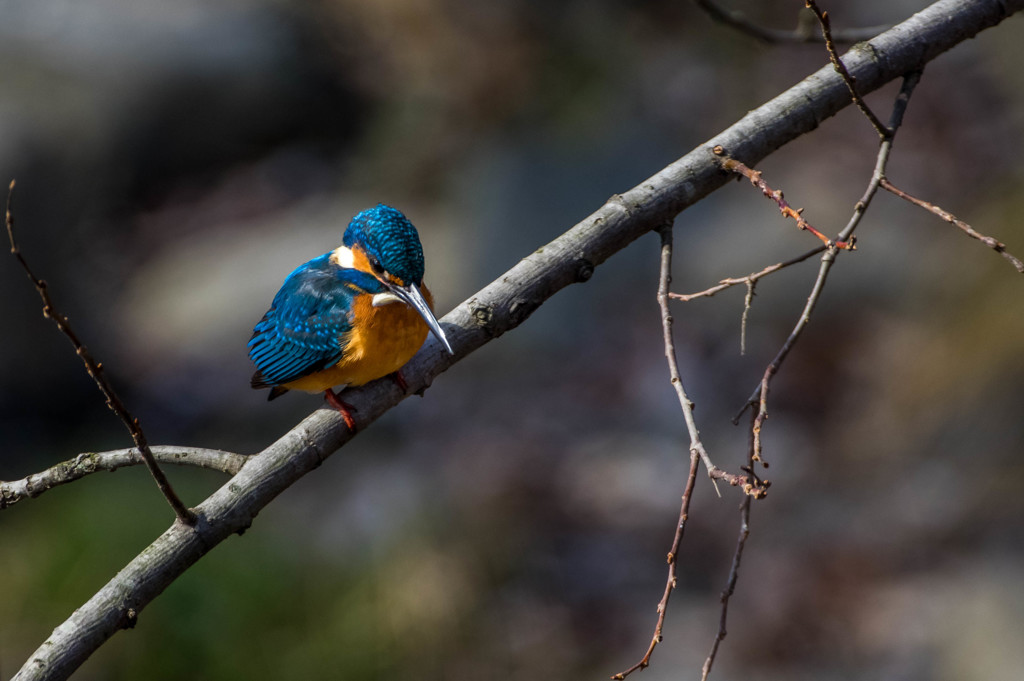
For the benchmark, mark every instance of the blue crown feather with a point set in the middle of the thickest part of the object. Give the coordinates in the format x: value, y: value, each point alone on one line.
x: 386, y: 234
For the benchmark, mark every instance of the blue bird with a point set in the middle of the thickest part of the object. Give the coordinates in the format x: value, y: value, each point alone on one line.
x: 350, y: 316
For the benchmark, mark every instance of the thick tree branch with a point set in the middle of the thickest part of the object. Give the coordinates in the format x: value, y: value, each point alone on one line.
x: 11, y: 492
x: 502, y: 306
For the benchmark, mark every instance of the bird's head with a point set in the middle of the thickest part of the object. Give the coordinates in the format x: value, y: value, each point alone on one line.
x: 381, y: 242
x: 389, y: 243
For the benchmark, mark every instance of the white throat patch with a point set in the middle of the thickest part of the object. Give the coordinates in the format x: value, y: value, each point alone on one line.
x: 344, y: 257
x: 386, y: 298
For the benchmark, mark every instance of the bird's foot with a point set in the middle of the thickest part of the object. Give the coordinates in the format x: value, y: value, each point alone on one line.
x: 399, y: 380
x: 343, y: 408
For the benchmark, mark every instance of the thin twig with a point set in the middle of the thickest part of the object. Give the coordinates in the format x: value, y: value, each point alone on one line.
x: 95, y: 370
x: 851, y: 82
x: 752, y: 486
x: 899, y: 108
x: 748, y: 301
x: 730, y: 586
x: 996, y: 245
x: 756, y: 179
x: 749, y: 279
x: 734, y: 571
x: 13, y: 491
x: 664, y: 280
x: 803, y: 33
x: 760, y: 394
x: 670, y: 583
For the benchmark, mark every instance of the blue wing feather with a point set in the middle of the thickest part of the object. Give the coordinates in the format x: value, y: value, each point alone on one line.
x: 305, y: 329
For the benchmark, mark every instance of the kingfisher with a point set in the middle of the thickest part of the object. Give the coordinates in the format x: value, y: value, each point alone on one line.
x: 350, y: 316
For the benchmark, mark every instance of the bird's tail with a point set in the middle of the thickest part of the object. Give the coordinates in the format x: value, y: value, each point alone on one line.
x: 258, y: 382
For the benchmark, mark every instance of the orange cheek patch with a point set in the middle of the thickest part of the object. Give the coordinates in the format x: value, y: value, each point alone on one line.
x: 359, y: 260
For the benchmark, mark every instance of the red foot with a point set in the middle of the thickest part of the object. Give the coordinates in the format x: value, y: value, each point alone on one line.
x: 342, y: 408
x: 400, y: 381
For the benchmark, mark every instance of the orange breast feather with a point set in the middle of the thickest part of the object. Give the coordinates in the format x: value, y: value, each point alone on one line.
x: 382, y: 340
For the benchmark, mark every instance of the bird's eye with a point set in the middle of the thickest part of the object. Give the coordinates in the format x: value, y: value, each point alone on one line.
x: 375, y: 264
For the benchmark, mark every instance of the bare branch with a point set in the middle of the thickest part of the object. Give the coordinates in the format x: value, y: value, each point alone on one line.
x: 11, y: 492
x: 500, y: 307
x: 734, y: 570
x: 803, y: 33
x: 997, y: 246
x: 748, y: 302
x: 851, y: 82
x: 730, y: 586
x: 751, y: 486
x: 748, y: 280
x: 95, y: 370
x: 670, y: 584
x: 756, y: 179
x: 757, y: 418
x: 760, y: 394
x: 910, y: 81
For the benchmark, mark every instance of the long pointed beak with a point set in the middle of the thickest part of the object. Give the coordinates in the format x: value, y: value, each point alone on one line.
x: 411, y: 295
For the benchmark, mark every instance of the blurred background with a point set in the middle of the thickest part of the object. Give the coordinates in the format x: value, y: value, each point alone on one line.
x: 176, y: 160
